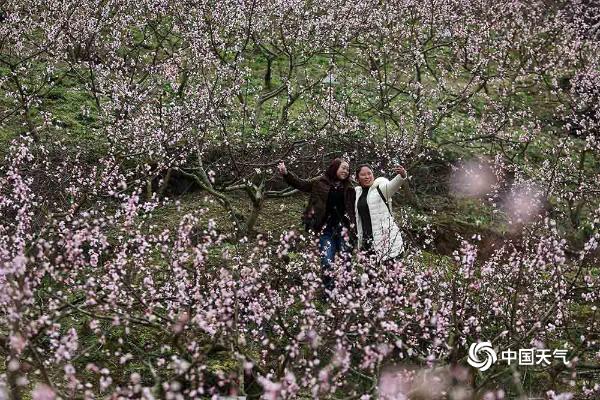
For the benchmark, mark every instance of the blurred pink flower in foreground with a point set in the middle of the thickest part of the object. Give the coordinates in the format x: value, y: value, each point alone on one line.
x: 406, y: 383
x: 394, y: 385
x: 43, y: 392
x: 523, y: 203
x: 472, y: 179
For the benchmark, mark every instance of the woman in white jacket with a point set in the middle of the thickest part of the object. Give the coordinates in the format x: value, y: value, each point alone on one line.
x: 377, y: 231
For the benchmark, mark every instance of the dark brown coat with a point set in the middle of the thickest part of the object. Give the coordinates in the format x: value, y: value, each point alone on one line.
x: 315, y: 214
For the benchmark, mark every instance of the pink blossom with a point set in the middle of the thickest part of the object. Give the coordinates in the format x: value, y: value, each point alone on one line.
x: 43, y: 392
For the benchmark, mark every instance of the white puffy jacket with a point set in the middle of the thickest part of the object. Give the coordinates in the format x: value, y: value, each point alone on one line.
x: 387, y: 240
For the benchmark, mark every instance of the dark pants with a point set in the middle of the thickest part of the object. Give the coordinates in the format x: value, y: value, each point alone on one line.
x: 331, y: 242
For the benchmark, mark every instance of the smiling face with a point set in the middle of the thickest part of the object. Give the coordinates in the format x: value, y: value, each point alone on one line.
x: 343, y: 171
x: 365, y: 177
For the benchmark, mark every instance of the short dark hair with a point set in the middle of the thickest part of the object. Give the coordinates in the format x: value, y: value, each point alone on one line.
x: 361, y: 166
x: 331, y: 172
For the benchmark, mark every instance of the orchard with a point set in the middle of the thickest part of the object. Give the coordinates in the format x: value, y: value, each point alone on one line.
x: 150, y: 249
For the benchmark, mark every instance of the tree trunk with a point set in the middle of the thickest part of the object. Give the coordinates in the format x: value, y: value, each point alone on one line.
x: 268, y: 73
x: 165, y: 183
x: 148, y: 189
x: 257, y: 197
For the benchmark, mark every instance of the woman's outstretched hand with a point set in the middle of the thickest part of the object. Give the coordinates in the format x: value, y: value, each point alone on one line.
x: 399, y: 169
x: 281, y: 167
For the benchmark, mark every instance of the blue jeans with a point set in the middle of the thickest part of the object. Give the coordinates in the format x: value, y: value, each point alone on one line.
x: 331, y: 242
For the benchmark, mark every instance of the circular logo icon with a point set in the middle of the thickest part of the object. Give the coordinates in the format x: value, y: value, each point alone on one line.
x: 482, y: 355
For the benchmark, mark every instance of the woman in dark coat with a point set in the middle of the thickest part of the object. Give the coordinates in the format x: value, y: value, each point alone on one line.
x: 330, y: 211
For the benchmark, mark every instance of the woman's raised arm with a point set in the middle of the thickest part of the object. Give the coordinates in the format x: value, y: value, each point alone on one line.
x: 292, y: 180
x: 390, y: 187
